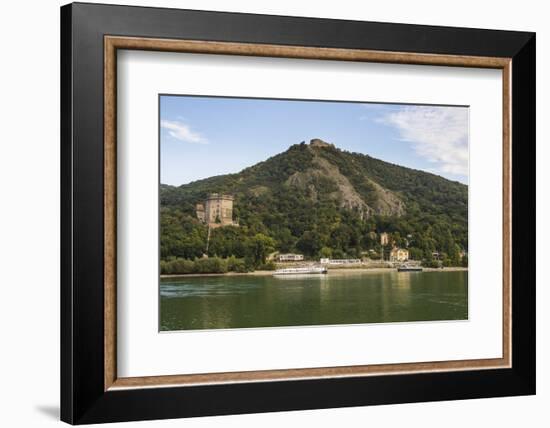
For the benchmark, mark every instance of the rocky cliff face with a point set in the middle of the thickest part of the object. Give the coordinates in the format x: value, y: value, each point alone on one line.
x: 383, y: 201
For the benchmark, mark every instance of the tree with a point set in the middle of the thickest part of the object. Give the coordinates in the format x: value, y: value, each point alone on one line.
x: 325, y: 252
x: 342, y: 237
x: 227, y: 241
x: 309, y: 243
x: 259, y: 247
x: 181, y: 236
x: 285, y: 240
x: 415, y: 253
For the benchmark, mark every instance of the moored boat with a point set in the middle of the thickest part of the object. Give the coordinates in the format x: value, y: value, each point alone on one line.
x: 409, y: 268
x: 301, y: 270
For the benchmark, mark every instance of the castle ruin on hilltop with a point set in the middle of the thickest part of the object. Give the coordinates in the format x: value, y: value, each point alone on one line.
x: 317, y: 142
x: 216, y: 210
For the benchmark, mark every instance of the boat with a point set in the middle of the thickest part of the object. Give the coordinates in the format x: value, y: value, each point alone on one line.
x: 409, y: 268
x: 301, y: 270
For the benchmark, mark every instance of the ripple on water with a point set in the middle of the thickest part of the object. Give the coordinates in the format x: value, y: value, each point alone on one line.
x: 181, y: 290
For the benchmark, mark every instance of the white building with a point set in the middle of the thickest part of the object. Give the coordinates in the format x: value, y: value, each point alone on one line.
x: 290, y: 257
x: 327, y: 261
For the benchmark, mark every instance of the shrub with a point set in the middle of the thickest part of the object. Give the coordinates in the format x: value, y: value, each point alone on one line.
x: 236, y: 265
x: 210, y: 265
x: 165, y: 268
x: 267, y: 266
x: 181, y: 266
x: 431, y: 263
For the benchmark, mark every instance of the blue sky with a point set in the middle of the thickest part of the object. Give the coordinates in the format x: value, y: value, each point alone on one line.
x: 205, y: 136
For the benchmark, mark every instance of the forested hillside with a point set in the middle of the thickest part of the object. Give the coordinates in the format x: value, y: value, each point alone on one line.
x: 320, y: 201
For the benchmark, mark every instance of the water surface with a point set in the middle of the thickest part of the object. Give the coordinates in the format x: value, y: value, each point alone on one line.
x: 212, y: 302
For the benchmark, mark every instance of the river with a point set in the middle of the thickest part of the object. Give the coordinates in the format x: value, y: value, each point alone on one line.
x: 214, y: 302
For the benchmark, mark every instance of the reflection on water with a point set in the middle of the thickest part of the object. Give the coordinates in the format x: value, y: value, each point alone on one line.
x: 352, y: 298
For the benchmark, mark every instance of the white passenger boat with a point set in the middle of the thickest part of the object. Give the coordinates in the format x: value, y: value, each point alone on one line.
x: 301, y: 270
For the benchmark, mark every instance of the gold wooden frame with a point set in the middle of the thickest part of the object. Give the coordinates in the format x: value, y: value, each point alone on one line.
x: 113, y: 43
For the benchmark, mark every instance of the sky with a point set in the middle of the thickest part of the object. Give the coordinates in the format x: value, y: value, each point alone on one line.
x: 205, y: 136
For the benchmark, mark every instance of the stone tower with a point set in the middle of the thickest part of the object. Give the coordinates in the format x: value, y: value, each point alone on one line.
x: 217, y: 210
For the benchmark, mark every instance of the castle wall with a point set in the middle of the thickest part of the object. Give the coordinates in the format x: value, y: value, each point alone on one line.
x: 217, y: 207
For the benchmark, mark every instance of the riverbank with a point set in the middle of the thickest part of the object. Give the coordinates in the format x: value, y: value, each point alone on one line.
x: 331, y: 272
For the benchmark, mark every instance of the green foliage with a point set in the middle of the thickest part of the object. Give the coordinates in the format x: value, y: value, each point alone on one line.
x: 179, y: 266
x: 205, y: 265
x: 236, y: 265
x: 415, y: 253
x: 310, y: 242
x: 228, y: 241
x: 210, y: 265
x: 270, y: 265
x: 283, y: 205
x: 181, y: 235
x: 325, y: 252
x: 258, y: 248
x: 375, y: 256
x: 432, y: 263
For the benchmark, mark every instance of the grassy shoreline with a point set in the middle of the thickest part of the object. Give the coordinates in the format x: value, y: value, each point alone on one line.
x: 330, y: 272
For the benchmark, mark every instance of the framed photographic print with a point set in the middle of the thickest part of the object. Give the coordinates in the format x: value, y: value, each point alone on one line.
x: 264, y: 213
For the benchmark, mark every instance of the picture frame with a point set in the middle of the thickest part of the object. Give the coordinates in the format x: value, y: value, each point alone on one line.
x: 91, y: 391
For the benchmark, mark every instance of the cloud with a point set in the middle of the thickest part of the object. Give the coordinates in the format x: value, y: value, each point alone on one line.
x: 438, y: 134
x: 181, y: 131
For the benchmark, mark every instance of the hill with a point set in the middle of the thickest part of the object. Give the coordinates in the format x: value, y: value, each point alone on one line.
x: 319, y: 200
